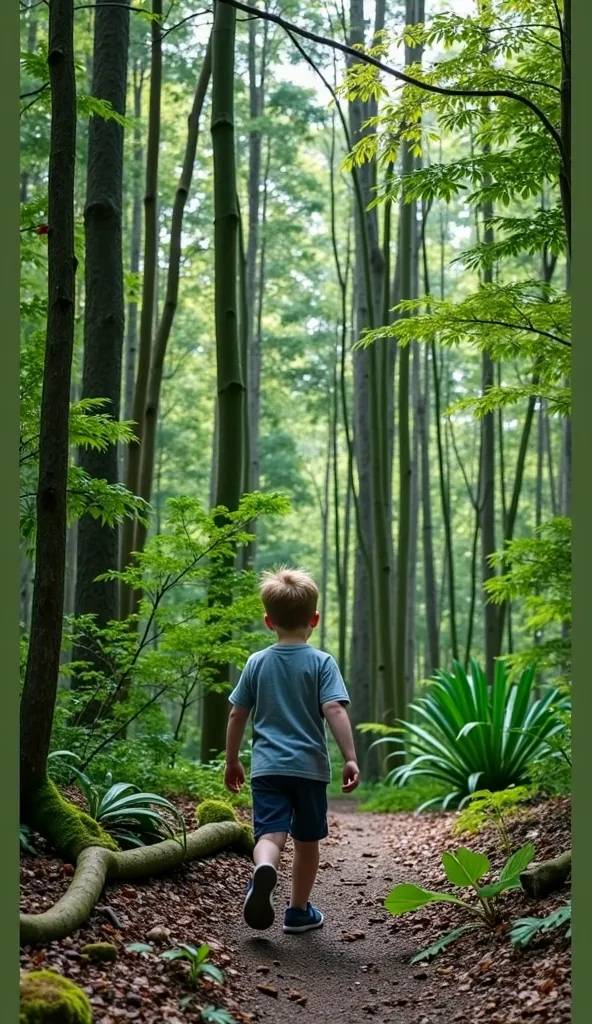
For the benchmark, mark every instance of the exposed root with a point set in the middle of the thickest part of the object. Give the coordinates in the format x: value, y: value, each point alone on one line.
x: 96, y: 865
x: 540, y: 880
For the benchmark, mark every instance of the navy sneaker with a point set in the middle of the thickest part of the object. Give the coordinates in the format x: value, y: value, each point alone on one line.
x: 258, y: 909
x: 297, y: 920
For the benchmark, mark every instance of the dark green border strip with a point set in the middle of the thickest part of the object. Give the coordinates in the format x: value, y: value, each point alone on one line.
x: 9, y: 516
x: 582, y: 503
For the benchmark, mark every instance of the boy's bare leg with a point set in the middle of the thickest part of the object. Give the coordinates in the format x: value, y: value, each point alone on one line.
x: 269, y: 848
x: 304, y: 872
x: 258, y: 909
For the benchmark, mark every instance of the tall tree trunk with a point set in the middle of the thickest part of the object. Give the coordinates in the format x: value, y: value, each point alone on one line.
x: 487, y: 475
x: 429, y: 569
x: 228, y: 358
x: 253, y: 366
x: 43, y: 659
x: 148, y: 293
x: 131, y: 345
x: 325, y: 527
x: 104, y: 314
x: 165, y: 323
x: 413, y: 14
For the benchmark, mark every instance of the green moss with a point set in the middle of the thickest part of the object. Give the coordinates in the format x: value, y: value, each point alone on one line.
x: 49, y: 998
x: 246, y: 842
x: 211, y: 811
x: 100, y: 952
x: 66, y: 827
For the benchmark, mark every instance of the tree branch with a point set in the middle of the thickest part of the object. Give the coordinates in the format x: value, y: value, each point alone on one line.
x: 439, y: 90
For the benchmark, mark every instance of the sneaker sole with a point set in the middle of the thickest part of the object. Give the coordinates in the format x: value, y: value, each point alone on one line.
x: 300, y: 929
x: 258, y: 910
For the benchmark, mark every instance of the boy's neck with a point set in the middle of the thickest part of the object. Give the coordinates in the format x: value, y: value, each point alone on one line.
x: 299, y: 636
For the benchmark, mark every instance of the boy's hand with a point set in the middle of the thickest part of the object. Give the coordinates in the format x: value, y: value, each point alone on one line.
x: 350, y: 777
x: 234, y: 777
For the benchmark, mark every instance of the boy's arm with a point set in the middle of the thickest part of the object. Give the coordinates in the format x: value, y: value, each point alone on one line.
x: 340, y: 726
x: 234, y: 775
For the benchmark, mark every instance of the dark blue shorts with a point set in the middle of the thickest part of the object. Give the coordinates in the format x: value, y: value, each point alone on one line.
x: 285, y: 803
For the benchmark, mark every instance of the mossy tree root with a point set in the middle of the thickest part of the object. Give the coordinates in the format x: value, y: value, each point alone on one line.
x: 546, y: 877
x: 97, y: 865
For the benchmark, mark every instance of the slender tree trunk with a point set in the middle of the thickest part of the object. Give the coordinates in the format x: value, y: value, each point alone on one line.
x: 229, y: 375
x: 487, y: 474
x: 131, y: 347
x: 148, y: 293
x: 363, y: 652
x: 429, y: 571
x: 104, y: 314
x: 325, y: 528
x: 163, y: 331
x: 43, y: 659
x: 253, y: 364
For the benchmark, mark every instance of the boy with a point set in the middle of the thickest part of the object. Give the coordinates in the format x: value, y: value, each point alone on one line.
x: 292, y: 689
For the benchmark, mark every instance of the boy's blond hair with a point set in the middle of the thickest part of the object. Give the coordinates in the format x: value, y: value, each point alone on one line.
x: 289, y: 596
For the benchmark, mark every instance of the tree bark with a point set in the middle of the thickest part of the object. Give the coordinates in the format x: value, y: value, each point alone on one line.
x: 131, y: 347
x: 546, y: 877
x: 148, y: 294
x: 429, y: 569
x: 96, y: 865
x: 104, y: 316
x: 257, y: 78
x: 413, y: 14
x: 230, y: 382
x: 163, y: 331
x: 43, y: 660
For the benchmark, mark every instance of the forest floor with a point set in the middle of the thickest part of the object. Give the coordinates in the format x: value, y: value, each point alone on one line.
x: 356, y: 968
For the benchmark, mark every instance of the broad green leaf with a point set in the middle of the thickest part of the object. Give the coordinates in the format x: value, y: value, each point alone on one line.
x: 408, y: 897
x: 464, y: 868
x: 518, y: 862
x: 139, y: 947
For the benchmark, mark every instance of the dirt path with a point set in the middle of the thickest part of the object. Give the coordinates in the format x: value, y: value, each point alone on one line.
x: 354, y: 968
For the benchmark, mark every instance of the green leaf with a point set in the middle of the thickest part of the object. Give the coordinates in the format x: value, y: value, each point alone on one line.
x: 139, y: 947
x: 525, y: 929
x: 215, y: 1015
x: 408, y: 897
x: 464, y: 868
x: 518, y: 862
x: 446, y: 940
x: 213, y: 972
x: 176, y: 954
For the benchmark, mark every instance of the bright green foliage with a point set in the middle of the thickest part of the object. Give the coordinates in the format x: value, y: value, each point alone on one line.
x: 211, y: 811
x: 68, y: 828
x: 469, y: 735
x: 484, y: 808
x: 198, y: 957
x: 126, y: 814
x: 525, y: 929
x: 215, y: 1015
x: 100, y: 952
x: 196, y: 615
x: 514, y: 160
x: 464, y: 869
x: 49, y: 998
x: 522, y: 321
x: 537, y: 571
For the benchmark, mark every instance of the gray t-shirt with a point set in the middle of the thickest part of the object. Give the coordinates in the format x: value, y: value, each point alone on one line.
x: 285, y: 687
